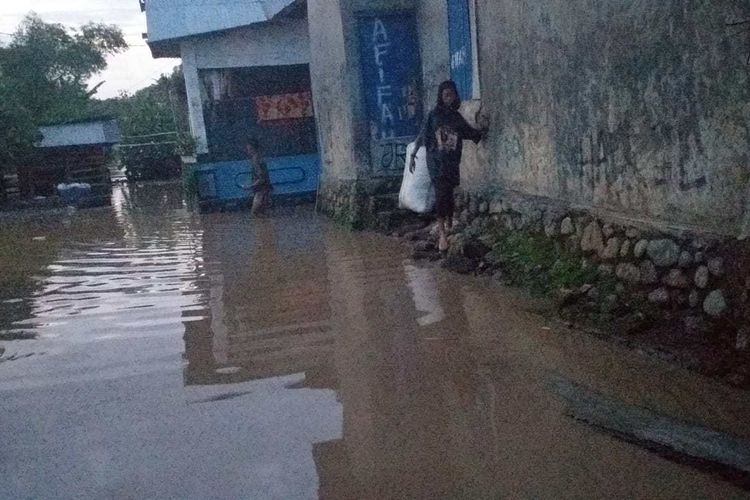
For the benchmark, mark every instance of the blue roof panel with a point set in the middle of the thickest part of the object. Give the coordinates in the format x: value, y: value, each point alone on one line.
x: 174, y: 19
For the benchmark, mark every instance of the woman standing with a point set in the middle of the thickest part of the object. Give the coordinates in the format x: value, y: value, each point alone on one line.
x: 443, y: 134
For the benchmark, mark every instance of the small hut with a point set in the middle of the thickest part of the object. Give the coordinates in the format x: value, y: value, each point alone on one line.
x: 72, y: 153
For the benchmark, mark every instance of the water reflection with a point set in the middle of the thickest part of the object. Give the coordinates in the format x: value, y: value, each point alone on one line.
x: 293, y: 295
x: 285, y: 358
x: 415, y: 400
x: 267, y: 305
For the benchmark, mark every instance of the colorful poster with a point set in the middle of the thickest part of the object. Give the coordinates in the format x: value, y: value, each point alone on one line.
x: 284, y: 107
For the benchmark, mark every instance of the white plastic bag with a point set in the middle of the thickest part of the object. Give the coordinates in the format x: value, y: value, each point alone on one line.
x: 417, y: 193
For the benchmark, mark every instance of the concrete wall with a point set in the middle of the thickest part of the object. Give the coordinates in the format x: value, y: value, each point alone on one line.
x: 193, y: 89
x: 336, y: 79
x: 332, y: 84
x: 284, y: 42
x: 339, y: 102
x: 432, y: 21
x: 639, y: 108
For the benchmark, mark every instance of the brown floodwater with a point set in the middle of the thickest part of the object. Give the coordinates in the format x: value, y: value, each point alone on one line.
x: 168, y: 354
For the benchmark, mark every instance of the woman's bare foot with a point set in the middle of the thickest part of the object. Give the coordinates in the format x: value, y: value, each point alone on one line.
x: 443, y: 243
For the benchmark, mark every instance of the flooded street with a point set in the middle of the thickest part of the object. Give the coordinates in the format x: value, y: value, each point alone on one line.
x: 167, y: 354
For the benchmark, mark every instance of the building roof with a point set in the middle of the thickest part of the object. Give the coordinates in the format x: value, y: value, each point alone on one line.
x: 80, y: 134
x: 170, y: 21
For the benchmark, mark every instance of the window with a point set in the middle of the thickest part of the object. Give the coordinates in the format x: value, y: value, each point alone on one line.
x: 462, y: 35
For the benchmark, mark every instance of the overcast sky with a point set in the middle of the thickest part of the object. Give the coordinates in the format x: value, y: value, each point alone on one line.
x: 128, y: 71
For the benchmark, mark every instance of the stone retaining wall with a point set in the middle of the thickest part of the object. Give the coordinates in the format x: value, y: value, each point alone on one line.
x: 690, y: 277
x: 358, y: 204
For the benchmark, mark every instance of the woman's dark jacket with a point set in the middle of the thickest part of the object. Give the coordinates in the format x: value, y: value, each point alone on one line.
x: 443, y: 133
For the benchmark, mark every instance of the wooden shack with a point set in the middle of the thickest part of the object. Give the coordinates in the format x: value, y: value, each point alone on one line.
x: 72, y: 153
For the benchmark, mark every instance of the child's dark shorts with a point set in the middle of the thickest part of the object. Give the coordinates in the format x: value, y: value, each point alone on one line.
x: 445, y: 203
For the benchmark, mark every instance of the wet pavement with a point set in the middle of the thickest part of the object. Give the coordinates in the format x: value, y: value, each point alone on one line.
x: 179, y: 355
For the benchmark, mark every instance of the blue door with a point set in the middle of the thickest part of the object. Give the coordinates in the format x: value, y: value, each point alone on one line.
x: 392, y: 86
x: 459, y: 34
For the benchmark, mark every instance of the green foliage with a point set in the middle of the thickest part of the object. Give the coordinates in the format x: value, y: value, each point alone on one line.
x: 540, y: 264
x: 44, y: 73
x: 158, y: 109
x: 17, y: 130
x: 48, y: 66
x: 185, y: 145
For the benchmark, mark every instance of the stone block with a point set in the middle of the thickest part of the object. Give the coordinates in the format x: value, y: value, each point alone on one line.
x: 593, y: 239
x: 702, y: 276
x: 627, y: 245
x: 640, y: 249
x: 659, y: 296
x: 694, y: 299
x: 632, y: 233
x: 715, y: 304
x: 664, y: 252
x: 567, y: 227
x: 685, y: 260
x: 611, y: 249
x: 629, y: 273
x: 606, y: 269
x: 716, y: 266
x: 550, y: 228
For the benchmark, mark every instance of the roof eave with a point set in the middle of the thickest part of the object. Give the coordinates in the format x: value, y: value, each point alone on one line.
x: 165, y: 49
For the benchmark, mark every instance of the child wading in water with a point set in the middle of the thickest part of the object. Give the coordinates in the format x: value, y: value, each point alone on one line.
x: 261, y: 181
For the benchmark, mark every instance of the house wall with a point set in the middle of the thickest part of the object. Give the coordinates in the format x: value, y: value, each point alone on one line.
x: 336, y: 77
x: 339, y: 102
x: 641, y: 109
x: 283, y: 42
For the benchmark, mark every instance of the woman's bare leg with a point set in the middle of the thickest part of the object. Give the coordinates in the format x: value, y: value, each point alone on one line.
x: 257, y: 204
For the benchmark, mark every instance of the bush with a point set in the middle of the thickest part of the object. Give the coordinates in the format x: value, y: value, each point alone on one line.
x: 540, y: 264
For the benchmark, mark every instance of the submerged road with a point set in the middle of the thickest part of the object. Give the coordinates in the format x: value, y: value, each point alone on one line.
x: 178, y: 355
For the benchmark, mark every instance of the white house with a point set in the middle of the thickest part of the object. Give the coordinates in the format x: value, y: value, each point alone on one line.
x: 225, y: 46
x: 247, y: 74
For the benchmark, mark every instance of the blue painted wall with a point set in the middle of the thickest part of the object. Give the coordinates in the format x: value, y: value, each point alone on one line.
x: 391, y: 73
x: 461, y: 53
x: 231, y: 180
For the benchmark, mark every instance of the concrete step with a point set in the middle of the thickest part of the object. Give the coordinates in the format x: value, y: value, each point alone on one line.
x: 383, y: 202
x: 389, y: 220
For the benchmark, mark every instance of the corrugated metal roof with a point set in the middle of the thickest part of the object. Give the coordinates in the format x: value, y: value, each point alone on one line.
x: 173, y: 19
x: 80, y: 134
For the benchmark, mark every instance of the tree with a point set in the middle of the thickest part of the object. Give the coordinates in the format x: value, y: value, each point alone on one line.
x: 151, y: 120
x: 17, y: 129
x: 46, y: 67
